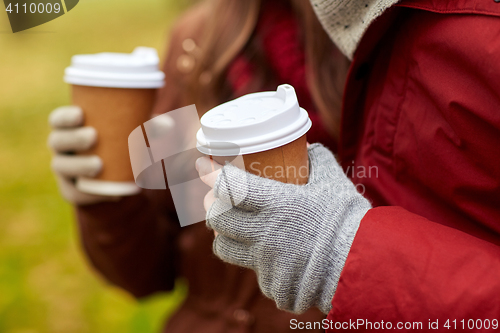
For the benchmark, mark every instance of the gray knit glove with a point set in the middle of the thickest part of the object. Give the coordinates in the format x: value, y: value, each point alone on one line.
x: 296, y: 238
x: 69, y: 136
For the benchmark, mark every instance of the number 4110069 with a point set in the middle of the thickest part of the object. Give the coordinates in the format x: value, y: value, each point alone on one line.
x: 33, y: 8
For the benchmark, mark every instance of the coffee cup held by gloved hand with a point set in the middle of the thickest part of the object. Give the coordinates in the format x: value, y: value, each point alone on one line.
x: 116, y: 92
x: 267, y: 128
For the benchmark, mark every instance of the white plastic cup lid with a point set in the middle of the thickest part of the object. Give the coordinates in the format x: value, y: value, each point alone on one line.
x: 253, y: 123
x: 138, y: 69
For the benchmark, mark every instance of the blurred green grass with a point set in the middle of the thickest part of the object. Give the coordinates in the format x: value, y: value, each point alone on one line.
x: 45, y: 283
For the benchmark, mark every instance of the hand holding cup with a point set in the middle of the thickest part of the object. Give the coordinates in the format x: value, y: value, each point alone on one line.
x: 67, y: 138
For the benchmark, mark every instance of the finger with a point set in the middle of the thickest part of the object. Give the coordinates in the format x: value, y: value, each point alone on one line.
x: 159, y: 126
x: 209, y: 200
x: 208, y: 170
x: 232, y: 251
x: 76, y: 166
x: 76, y: 139
x: 247, y: 191
x: 66, y: 117
x: 238, y: 224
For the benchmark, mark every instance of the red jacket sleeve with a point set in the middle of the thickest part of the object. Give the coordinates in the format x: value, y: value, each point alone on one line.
x: 405, y: 268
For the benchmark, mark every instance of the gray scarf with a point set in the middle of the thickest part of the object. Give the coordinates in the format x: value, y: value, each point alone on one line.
x: 346, y: 21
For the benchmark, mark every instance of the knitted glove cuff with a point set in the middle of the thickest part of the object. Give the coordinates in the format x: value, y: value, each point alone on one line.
x: 340, y: 249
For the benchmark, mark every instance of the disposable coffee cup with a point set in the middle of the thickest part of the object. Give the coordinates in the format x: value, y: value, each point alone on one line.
x: 267, y: 128
x: 116, y: 92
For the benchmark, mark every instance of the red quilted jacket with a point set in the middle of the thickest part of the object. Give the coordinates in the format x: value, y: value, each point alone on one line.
x: 421, y: 137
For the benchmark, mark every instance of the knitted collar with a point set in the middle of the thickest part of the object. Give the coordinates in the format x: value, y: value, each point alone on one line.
x: 346, y: 21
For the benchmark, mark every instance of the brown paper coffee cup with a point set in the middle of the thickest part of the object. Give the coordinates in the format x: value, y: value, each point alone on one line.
x: 114, y: 113
x: 116, y: 93
x: 287, y: 164
x: 267, y: 128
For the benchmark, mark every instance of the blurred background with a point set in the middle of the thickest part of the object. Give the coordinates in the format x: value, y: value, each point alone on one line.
x: 46, y: 284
